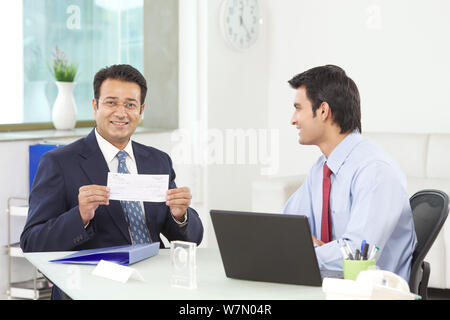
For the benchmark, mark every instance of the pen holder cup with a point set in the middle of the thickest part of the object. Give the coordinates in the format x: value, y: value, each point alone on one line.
x: 353, y: 267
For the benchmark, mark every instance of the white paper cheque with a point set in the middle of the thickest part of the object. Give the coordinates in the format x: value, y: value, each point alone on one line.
x: 138, y: 187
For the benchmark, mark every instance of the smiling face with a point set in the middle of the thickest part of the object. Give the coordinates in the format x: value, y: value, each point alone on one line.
x: 118, y: 111
x: 310, y: 125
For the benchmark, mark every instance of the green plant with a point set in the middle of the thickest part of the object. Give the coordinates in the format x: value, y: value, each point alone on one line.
x: 61, y: 69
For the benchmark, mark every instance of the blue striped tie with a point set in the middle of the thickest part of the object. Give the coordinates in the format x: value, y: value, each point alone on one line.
x: 133, y: 211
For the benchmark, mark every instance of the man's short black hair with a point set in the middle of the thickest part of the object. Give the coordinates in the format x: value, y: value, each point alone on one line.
x: 122, y: 72
x: 330, y: 84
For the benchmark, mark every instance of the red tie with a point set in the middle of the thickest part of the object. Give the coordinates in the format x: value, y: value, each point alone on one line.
x: 325, y: 232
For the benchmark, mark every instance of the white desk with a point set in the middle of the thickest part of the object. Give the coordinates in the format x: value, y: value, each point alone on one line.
x: 212, y: 284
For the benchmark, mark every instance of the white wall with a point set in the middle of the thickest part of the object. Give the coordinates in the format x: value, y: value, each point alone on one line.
x: 237, y: 99
x: 396, y: 52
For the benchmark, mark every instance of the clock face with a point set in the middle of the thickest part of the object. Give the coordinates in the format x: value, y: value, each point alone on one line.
x: 240, y: 22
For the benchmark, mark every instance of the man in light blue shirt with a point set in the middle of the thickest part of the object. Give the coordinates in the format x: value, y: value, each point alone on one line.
x: 368, y: 198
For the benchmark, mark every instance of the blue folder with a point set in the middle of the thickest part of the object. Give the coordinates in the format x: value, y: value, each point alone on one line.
x: 124, y: 255
x: 35, y: 153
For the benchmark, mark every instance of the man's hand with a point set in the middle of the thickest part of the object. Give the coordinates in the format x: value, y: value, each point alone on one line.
x: 318, y: 242
x: 178, y: 200
x: 89, y: 198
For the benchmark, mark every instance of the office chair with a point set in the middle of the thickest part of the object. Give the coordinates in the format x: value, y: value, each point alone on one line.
x: 429, y: 209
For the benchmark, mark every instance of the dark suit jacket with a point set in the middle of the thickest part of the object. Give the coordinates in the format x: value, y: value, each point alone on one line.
x: 54, y: 221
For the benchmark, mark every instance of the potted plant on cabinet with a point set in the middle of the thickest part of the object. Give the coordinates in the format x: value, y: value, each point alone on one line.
x: 64, y: 114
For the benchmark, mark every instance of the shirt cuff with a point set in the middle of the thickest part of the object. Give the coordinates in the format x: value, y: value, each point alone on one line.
x: 182, y: 223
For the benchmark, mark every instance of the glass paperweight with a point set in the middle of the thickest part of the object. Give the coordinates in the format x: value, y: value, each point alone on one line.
x: 183, y: 261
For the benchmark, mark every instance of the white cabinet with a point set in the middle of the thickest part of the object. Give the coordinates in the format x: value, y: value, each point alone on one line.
x: 36, y: 288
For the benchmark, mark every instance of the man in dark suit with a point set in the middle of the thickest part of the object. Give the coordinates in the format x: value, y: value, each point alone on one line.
x: 69, y: 206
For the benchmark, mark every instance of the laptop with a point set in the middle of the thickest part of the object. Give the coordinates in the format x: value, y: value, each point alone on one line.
x: 268, y: 247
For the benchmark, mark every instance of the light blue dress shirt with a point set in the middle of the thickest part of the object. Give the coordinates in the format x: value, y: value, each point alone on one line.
x: 368, y: 201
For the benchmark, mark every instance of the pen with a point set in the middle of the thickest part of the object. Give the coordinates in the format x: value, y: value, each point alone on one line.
x: 357, y: 254
x: 344, y: 253
x: 364, y: 251
x: 373, y: 252
x: 362, y: 245
x: 349, y: 249
x: 348, y: 254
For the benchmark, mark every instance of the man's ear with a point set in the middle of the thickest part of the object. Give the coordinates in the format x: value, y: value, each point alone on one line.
x: 94, y: 106
x: 324, y: 111
x: 141, y: 112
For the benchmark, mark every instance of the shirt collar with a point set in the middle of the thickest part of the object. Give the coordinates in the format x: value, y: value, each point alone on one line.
x: 342, y: 151
x: 110, y: 151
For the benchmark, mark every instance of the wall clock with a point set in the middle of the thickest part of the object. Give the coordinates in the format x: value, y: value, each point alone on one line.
x: 240, y: 22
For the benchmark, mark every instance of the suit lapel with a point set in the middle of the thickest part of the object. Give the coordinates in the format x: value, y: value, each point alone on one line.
x: 96, y: 169
x: 143, y: 160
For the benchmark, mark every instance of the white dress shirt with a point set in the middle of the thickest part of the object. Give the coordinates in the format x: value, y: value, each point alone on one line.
x: 110, y: 154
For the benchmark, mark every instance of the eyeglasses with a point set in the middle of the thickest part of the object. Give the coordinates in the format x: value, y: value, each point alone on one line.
x: 113, y: 104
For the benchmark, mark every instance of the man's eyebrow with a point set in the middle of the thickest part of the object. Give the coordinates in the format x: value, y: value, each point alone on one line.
x: 131, y: 99
x: 128, y: 99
